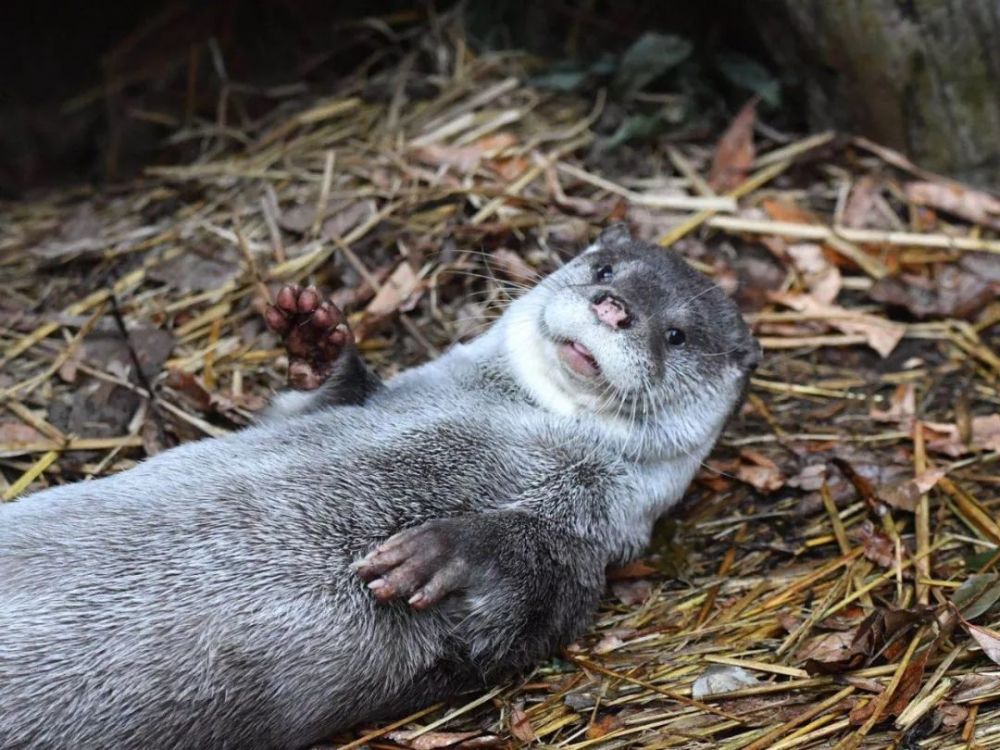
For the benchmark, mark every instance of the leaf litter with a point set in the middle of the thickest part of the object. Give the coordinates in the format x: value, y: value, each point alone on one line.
x: 821, y: 617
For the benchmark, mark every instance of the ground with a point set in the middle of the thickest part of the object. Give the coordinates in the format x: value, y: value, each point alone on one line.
x: 831, y: 579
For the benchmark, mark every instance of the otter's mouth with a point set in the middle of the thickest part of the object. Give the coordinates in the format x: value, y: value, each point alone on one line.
x: 579, y: 359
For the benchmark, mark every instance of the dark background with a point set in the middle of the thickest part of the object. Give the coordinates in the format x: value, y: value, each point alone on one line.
x: 93, y: 91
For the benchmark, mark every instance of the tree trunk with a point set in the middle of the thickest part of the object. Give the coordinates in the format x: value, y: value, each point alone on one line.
x: 922, y: 76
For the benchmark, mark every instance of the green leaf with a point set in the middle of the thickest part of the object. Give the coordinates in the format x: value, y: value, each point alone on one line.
x: 635, y: 127
x: 977, y: 595
x: 649, y: 57
x: 570, y: 75
x: 559, y: 80
x: 748, y: 74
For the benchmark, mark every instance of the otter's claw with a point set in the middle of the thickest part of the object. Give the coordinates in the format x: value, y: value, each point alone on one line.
x: 314, y: 333
x: 421, y: 565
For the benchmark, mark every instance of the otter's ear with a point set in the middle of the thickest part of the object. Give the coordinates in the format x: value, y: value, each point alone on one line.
x: 613, y: 237
x: 750, y: 356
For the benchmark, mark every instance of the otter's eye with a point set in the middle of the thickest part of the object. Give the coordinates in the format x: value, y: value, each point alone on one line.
x: 604, y: 273
x: 676, y: 337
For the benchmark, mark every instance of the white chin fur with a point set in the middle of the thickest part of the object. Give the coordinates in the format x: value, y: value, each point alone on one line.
x: 536, y: 363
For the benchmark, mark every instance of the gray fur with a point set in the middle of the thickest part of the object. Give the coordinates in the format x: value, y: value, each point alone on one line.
x: 206, y: 597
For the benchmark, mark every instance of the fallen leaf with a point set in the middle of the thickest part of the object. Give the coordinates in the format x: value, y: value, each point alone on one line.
x: 79, y: 233
x: 977, y: 594
x: 513, y: 266
x: 877, y: 546
x: 906, y: 494
x: 342, y: 220
x: 902, y: 406
x: 826, y: 648
x: 734, y: 153
x: 975, y: 686
x: 465, y: 159
x: 605, y: 724
x: 951, y: 293
x: 966, y: 203
x: 636, y: 569
x: 520, y: 725
x: 821, y: 277
x: 631, y: 593
x: 483, y: 741
x: 987, y: 638
x: 394, y: 292
x: 985, y: 265
x: 297, y: 219
x: 788, y: 211
x: 191, y: 387
x: 14, y: 434
x: 909, y: 683
x: 985, y: 435
x: 430, y: 740
x: 649, y: 57
x: 198, y: 269
x: 760, y: 472
x: 860, y: 203
x: 720, y: 678
x: 608, y: 643
x: 811, y: 478
x: 747, y: 73
x: 881, y: 335
x: 951, y: 715
x: 872, y: 636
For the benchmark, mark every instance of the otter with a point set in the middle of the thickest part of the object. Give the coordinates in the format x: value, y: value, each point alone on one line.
x: 371, y: 547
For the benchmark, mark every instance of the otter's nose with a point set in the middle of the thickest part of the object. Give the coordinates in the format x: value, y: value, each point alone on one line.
x: 611, y: 311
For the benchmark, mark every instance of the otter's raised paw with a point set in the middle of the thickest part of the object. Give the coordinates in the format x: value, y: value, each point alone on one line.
x: 314, y: 333
x: 422, y: 565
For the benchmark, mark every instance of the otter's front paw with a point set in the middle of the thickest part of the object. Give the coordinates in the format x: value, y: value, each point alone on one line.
x: 314, y: 334
x: 422, y: 564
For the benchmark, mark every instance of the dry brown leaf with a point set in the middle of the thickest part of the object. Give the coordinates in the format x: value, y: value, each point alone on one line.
x: 198, y: 268
x: 760, y: 471
x: 343, y: 220
x: 810, y: 479
x: 395, y: 291
x: 951, y: 715
x: 826, y: 648
x: 608, y: 643
x: 952, y: 293
x: 430, y: 740
x: 902, y: 405
x: 464, y: 159
x: 785, y: 210
x: 975, y: 686
x: 948, y: 438
x: 821, y: 277
x: 734, y: 153
x: 881, y: 335
x: 631, y: 593
x: 860, y: 203
x: 871, y: 637
x: 877, y: 546
x: 513, y: 266
x: 14, y: 434
x: 636, y: 569
x: 905, y: 495
x: 987, y: 638
x: 966, y: 203
x: 603, y: 725
x: 520, y: 725
x: 720, y: 678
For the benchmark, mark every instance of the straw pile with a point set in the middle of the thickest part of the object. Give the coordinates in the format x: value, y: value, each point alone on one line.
x: 832, y: 578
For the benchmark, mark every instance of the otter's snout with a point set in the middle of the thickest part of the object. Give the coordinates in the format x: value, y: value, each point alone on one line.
x: 611, y: 311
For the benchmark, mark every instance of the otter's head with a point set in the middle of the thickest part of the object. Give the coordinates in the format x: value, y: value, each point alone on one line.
x: 630, y: 332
